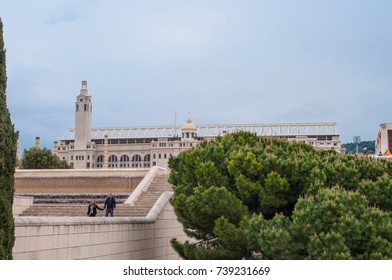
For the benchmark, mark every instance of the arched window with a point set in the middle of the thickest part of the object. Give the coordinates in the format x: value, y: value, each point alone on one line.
x: 124, y: 161
x: 100, y: 158
x: 100, y: 161
x: 147, y: 159
x: 124, y: 158
x: 112, y: 158
x: 136, y: 158
x: 113, y: 161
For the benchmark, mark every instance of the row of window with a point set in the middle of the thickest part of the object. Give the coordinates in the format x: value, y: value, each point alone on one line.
x: 154, y: 156
x: 317, y: 137
x: 125, y: 161
x: 125, y: 158
x: 163, y: 145
x: 124, y: 141
x: 328, y: 144
x: 81, y: 157
x: 185, y: 144
x: 133, y: 165
x: 128, y: 141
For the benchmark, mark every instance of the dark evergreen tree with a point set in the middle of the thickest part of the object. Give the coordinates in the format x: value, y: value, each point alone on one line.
x: 35, y: 158
x: 244, y: 196
x: 8, y: 140
x: 333, y: 224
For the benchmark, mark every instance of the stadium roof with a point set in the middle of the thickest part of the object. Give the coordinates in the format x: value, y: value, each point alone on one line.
x: 298, y: 129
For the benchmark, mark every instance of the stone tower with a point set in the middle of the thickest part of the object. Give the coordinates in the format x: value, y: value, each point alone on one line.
x: 83, y: 112
x: 83, y: 150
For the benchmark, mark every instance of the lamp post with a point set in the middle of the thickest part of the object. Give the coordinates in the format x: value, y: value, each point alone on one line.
x: 357, y: 140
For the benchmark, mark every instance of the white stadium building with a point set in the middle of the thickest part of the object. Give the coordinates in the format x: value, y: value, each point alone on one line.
x: 84, y: 147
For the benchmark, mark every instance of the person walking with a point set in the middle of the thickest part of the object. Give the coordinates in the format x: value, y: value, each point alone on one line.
x: 92, y: 208
x: 110, y: 204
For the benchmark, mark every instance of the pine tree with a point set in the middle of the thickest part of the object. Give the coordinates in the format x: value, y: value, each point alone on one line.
x: 243, y: 196
x: 8, y: 140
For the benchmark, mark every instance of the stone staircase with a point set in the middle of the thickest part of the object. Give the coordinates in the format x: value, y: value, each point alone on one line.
x: 66, y: 198
x: 148, y: 198
x: 72, y: 205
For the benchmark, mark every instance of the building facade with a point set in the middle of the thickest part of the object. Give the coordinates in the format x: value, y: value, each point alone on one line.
x: 143, y: 147
x: 383, y: 138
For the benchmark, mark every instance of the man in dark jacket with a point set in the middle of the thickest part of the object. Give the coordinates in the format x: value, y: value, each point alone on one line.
x: 110, y: 204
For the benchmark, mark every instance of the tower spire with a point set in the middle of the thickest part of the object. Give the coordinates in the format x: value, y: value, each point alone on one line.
x: 84, y: 90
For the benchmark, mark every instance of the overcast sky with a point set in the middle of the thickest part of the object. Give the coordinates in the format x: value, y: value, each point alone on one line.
x: 223, y: 61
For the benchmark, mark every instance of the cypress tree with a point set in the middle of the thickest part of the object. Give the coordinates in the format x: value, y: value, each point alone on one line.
x: 8, y: 140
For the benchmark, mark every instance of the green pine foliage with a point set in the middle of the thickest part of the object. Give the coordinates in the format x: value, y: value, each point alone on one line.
x: 351, y: 148
x: 8, y: 140
x: 243, y: 197
x: 35, y: 158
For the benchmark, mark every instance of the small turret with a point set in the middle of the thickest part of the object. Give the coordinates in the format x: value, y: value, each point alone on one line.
x: 188, y: 131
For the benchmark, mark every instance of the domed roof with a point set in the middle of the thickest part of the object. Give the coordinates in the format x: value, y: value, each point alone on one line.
x: 189, y: 126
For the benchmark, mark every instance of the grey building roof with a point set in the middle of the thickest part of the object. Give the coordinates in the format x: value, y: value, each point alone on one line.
x: 289, y: 129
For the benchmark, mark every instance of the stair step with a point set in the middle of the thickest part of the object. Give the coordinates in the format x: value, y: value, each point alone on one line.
x: 76, y: 204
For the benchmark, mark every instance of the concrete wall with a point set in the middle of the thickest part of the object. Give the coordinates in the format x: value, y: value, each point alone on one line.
x: 117, y: 238
x: 21, y: 203
x: 382, y: 138
x: 77, y: 181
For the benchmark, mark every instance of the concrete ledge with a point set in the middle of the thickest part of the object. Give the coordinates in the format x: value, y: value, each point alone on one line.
x: 143, y: 185
x: 52, y: 173
x: 62, y: 221
x: 78, y: 181
x: 159, y: 205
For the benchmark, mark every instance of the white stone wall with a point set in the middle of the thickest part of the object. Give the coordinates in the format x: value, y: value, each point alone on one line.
x: 21, y: 203
x: 105, y: 238
x: 382, y: 138
x: 53, y: 173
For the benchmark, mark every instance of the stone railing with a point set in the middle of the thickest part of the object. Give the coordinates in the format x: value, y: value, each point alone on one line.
x: 106, y: 238
x: 144, y: 184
